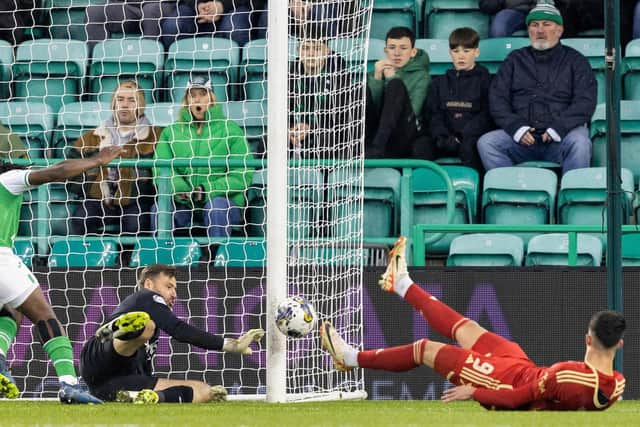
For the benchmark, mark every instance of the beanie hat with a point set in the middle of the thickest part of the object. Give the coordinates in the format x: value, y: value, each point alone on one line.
x: 545, y: 12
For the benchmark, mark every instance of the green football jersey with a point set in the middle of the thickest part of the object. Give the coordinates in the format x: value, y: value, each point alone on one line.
x: 10, y: 204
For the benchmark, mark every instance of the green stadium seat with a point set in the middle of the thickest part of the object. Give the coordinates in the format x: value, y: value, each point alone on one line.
x: 75, y: 119
x: 553, y: 249
x: 241, y: 254
x: 84, y: 253
x: 486, y: 250
x: 429, y: 195
x: 178, y: 251
x: 68, y: 18
x: 33, y: 121
x: 252, y: 117
x: 593, y: 50
x: 394, y: 13
x: 631, y: 70
x: 324, y: 253
x: 438, y: 51
x: 116, y: 60
x: 381, y: 209
x: 352, y: 50
x: 583, y: 196
x: 60, y: 206
x: 443, y: 16
x: 162, y: 114
x: 254, y: 67
x: 214, y: 58
x: 306, y: 187
x: 24, y: 250
x: 50, y: 71
x: 494, y: 51
x: 6, y: 59
x: 631, y: 249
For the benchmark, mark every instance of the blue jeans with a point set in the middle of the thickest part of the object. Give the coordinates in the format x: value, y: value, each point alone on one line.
x: 636, y: 21
x: 498, y: 149
x: 235, y: 24
x: 506, y: 22
x: 220, y: 215
x: 324, y: 16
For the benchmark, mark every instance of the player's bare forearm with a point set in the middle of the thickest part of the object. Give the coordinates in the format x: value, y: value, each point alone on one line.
x: 70, y: 168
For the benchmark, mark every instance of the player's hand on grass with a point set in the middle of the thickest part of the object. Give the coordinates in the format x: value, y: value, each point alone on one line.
x: 241, y: 345
x: 461, y: 392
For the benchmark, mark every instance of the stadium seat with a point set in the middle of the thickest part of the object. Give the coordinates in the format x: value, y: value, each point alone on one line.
x: 486, y: 250
x: 494, y: 51
x: 631, y: 70
x: 24, y: 250
x: 326, y: 253
x: 631, y: 249
x: 429, y: 200
x: 306, y: 187
x: 593, y: 50
x: 394, y: 13
x: 252, y: 117
x: 438, y: 51
x: 214, y: 58
x: 178, y: 251
x: 74, y: 119
x: 162, y: 114
x: 443, y: 16
x: 553, y: 249
x: 241, y: 254
x: 6, y: 59
x: 50, y: 71
x: 68, y: 18
x: 381, y: 209
x: 352, y: 50
x: 84, y: 253
x: 59, y: 206
x: 254, y: 67
x: 582, y: 197
x: 115, y: 60
x: 33, y: 121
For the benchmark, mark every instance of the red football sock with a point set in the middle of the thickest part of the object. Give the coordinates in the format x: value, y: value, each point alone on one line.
x: 394, y: 359
x: 440, y: 316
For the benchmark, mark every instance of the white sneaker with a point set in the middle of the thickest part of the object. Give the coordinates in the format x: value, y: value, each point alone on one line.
x: 334, y: 344
x: 397, y: 267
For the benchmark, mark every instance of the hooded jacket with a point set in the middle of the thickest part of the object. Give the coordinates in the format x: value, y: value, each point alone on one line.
x: 492, y: 7
x: 218, y: 138
x: 414, y: 75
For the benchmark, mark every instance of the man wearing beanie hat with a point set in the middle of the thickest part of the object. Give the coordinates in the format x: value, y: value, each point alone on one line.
x: 542, y: 99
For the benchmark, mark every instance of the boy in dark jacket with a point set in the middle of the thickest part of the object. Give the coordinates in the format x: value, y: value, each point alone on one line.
x: 396, y: 92
x: 458, y: 102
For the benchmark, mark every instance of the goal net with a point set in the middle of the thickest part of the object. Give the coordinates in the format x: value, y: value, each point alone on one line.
x: 187, y: 96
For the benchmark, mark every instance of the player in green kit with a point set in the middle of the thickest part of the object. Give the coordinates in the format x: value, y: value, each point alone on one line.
x: 20, y: 293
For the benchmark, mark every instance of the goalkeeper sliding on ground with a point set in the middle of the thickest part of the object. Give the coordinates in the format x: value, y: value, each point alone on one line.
x: 486, y: 367
x: 116, y: 362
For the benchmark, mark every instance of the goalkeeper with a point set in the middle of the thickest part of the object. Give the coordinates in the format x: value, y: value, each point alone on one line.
x: 116, y: 362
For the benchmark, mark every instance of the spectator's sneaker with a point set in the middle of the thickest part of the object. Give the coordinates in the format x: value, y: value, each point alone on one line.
x: 218, y: 393
x: 397, y: 267
x: 334, y: 344
x: 75, y: 394
x: 8, y: 388
x: 125, y: 327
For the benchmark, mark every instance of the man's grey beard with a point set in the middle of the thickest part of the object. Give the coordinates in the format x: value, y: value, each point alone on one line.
x: 541, y: 44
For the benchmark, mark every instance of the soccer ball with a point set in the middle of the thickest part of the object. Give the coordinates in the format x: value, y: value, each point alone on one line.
x: 295, y: 317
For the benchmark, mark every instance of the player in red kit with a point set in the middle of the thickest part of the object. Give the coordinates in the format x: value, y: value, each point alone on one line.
x: 486, y: 367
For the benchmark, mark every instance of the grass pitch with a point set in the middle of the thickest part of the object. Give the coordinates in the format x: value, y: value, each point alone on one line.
x: 366, y: 413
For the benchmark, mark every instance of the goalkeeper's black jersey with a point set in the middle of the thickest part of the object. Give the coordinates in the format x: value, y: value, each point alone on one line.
x: 153, y: 304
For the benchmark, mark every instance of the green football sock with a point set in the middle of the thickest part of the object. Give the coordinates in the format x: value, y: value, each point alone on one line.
x: 8, y: 330
x: 61, y: 354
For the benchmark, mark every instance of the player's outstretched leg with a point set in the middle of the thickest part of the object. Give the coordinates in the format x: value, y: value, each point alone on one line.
x: 8, y: 388
x: 125, y: 327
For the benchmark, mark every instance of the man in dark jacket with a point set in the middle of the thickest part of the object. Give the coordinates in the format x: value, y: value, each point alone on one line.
x: 542, y: 99
x: 508, y: 15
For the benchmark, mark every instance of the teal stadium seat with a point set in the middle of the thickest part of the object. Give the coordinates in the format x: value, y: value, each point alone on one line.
x: 116, y: 60
x: 494, y: 51
x: 631, y: 70
x: 6, y: 59
x: 241, y: 254
x: 394, y: 13
x: 33, y: 121
x: 50, y: 71
x: 553, y: 249
x: 215, y: 58
x: 306, y: 198
x: 254, y: 67
x: 593, y: 49
x: 438, y: 51
x: 24, y: 250
x: 486, y: 250
x: 59, y: 207
x: 443, y: 16
x: 381, y: 205
x: 631, y: 249
x: 252, y: 117
x: 352, y: 50
x: 81, y: 253
x: 163, y: 114
x: 429, y: 195
x: 68, y: 18
x: 179, y: 252
x: 75, y: 119
x: 327, y: 253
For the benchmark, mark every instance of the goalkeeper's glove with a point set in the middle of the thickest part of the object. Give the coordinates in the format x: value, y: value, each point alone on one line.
x: 241, y: 345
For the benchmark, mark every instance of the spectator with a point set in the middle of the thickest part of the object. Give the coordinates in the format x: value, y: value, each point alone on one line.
x: 15, y: 17
x: 458, y: 102
x: 396, y: 92
x: 320, y: 13
x: 112, y: 195
x: 203, y: 132
x: 127, y: 16
x: 11, y: 146
x: 317, y: 98
x: 507, y: 15
x: 542, y: 99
